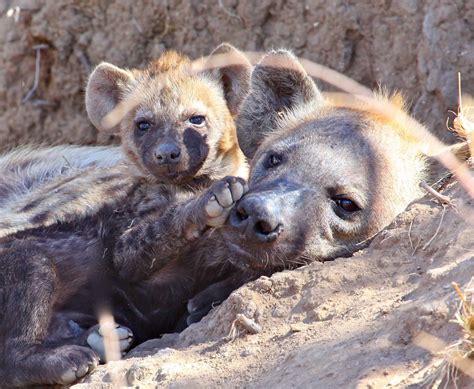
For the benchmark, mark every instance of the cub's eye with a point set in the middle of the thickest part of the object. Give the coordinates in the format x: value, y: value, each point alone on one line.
x: 273, y: 160
x: 347, y: 204
x: 197, y: 120
x: 143, y: 126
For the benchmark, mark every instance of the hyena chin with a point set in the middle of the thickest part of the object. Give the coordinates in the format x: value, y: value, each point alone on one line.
x: 122, y: 236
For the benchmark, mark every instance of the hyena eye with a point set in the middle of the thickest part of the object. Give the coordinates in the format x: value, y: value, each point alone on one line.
x: 346, y: 204
x: 197, y: 120
x: 273, y: 160
x: 143, y: 126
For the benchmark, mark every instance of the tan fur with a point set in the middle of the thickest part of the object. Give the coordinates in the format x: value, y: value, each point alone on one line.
x: 167, y: 91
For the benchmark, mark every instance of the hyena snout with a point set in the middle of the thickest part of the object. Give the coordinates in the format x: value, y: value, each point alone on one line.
x: 168, y: 153
x: 257, y: 219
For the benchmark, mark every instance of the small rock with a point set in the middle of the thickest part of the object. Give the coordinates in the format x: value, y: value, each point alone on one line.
x: 263, y: 284
x: 297, y: 327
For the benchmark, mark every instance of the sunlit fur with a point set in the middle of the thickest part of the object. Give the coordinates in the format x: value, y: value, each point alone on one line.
x: 326, y: 143
x: 41, y: 186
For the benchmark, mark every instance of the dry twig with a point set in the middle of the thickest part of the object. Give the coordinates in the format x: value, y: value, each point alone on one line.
x: 437, y: 230
x: 38, y: 49
x: 444, y: 200
x: 247, y: 324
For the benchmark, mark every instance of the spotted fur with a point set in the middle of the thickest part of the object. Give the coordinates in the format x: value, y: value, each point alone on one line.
x: 43, y: 186
x: 82, y: 235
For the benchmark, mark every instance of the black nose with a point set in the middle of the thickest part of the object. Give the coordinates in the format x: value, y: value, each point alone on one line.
x: 257, y: 219
x: 168, y: 153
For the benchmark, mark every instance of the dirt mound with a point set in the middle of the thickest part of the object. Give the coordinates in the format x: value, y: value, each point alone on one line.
x: 342, y: 324
x: 415, y: 46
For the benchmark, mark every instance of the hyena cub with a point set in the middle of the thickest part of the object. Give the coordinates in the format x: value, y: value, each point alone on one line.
x: 324, y: 178
x: 40, y: 187
x: 80, y: 253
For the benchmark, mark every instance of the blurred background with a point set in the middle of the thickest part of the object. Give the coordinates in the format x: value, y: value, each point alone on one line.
x: 414, y: 46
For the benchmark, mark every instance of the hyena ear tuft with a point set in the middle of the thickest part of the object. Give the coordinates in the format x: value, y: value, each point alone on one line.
x: 104, y: 91
x: 278, y: 83
x: 232, y: 69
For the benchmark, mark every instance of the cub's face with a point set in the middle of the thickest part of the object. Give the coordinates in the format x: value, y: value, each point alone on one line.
x: 323, y: 179
x: 179, y: 128
x: 176, y: 123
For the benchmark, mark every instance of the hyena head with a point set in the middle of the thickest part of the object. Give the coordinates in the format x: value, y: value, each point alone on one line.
x: 176, y: 123
x: 323, y: 177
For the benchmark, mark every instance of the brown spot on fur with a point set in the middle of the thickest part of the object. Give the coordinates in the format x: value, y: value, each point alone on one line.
x: 110, y: 177
x: 40, y: 217
x: 33, y: 204
x: 112, y: 190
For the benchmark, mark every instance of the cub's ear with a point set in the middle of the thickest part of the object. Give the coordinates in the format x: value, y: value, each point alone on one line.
x: 105, y: 89
x: 278, y: 83
x: 232, y: 69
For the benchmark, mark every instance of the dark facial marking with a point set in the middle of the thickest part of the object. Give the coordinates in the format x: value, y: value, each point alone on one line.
x: 196, y: 145
x: 110, y: 177
x: 150, y: 232
x: 113, y: 190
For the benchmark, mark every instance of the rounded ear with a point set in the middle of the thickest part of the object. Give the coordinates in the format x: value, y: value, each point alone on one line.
x: 232, y: 69
x: 105, y: 89
x: 278, y: 83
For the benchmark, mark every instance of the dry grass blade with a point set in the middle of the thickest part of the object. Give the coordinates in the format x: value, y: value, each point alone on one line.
x: 111, y: 345
x: 444, y: 200
x: 463, y: 123
x: 458, y: 356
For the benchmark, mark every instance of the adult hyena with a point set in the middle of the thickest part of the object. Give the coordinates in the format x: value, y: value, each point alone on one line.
x: 324, y: 177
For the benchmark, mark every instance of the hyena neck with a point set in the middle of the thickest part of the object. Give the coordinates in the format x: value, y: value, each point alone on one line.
x: 229, y: 163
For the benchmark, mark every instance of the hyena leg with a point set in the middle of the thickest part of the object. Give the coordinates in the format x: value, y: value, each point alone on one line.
x: 68, y: 327
x: 200, y: 305
x: 150, y: 244
x: 27, y: 285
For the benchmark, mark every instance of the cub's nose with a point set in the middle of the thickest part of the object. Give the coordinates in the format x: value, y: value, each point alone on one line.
x: 168, y: 153
x: 257, y: 219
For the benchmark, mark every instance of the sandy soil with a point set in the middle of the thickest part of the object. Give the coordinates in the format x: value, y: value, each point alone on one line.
x: 348, y: 323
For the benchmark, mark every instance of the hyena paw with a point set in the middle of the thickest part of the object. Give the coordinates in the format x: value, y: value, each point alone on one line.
x: 62, y: 365
x: 222, y: 196
x: 200, y: 305
x: 96, y: 340
x: 77, y: 361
